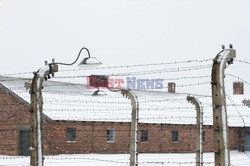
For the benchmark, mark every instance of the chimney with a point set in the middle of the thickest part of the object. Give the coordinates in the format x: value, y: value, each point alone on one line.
x: 171, y: 87
x: 238, y: 88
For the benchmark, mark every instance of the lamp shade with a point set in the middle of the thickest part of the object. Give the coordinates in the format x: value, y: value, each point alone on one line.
x: 99, y: 93
x: 89, y: 62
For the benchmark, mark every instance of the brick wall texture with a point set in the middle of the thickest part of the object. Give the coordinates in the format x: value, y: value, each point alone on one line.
x: 91, y: 136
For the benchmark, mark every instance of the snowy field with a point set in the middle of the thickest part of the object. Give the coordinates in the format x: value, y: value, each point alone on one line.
x: 173, y: 159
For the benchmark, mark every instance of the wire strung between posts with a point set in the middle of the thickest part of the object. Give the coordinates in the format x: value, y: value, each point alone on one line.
x: 21, y: 73
x: 144, y: 65
x: 72, y: 84
x: 170, y: 70
x: 129, y: 118
x: 68, y: 102
x: 66, y: 84
x: 238, y: 78
x: 121, y: 66
x: 177, y: 78
x: 117, y: 109
x: 110, y: 102
x: 11, y: 79
x: 242, y: 61
x: 146, y: 72
x: 232, y: 102
x: 88, y: 158
x: 199, y: 83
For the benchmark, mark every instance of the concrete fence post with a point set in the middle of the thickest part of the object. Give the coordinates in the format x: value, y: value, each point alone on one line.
x: 199, y: 123
x: 220, y: 123
x: 134, y: 127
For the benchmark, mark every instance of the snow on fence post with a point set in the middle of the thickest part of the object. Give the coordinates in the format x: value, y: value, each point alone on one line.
x: 36, y: 111
x: 134, y: 127
x: 199, y: 123
x: 220, y: 123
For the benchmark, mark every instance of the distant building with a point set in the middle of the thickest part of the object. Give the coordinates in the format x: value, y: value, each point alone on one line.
x: 76, y: 122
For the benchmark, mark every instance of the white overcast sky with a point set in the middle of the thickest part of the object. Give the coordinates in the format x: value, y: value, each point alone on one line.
x: 121, y: 32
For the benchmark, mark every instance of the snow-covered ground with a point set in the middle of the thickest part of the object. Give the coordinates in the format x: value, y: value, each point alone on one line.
x: 173, y: 159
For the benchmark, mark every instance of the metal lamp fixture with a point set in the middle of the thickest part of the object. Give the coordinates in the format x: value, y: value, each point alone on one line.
x: 86, y: 62
x: 89, y: 62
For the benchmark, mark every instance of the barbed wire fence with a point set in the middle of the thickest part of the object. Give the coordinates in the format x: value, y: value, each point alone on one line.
x: 151, y: 104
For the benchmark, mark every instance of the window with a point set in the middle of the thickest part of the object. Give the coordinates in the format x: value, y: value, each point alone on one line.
x: 175, y: 136
x: 110, y: 135
x: 144, y: 135
x: 71, y: 134
x: 203, y: 136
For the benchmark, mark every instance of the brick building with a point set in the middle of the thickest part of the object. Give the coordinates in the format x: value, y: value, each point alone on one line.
x: 76, y: 122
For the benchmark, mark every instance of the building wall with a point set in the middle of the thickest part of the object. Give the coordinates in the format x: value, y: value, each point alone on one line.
x: 160, y: 138
x: 14, y: 116
x: 91, y: 136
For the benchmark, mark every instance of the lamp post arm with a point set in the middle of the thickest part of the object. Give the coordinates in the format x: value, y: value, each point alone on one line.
x: 69, y: 64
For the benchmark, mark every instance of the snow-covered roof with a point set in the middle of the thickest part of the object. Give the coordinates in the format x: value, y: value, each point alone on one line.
x: 73, y: 102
